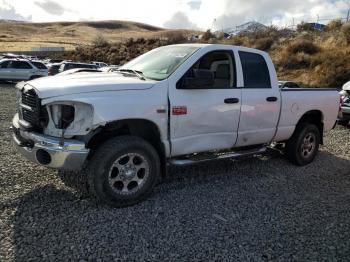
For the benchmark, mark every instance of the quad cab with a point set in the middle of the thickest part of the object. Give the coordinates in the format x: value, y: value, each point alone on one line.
x: 175, y: 105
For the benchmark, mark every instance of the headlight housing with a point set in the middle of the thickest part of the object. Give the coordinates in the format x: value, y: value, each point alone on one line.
x: 62, y: 115
x: 75, y: 118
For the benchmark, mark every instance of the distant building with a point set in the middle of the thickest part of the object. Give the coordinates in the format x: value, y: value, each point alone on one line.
x: 48, y: 49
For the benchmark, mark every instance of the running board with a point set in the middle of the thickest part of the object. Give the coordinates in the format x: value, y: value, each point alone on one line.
x: 205, y: 158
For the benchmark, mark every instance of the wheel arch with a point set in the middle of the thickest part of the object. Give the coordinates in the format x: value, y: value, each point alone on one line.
x: 143, y: 128
x: 313, y: 117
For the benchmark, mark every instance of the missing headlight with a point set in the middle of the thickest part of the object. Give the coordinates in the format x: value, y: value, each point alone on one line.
x: 62, y: 115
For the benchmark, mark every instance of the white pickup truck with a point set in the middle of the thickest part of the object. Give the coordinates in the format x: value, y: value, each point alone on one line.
x: 175, y: 105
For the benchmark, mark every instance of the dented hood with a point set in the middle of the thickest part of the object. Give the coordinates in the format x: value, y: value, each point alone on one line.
x: 85, y: 83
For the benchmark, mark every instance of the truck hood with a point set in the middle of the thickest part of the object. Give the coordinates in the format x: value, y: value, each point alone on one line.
x: 53, y: 86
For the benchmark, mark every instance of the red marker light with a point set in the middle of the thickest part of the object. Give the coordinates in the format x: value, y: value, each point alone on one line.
x: 179, y: 110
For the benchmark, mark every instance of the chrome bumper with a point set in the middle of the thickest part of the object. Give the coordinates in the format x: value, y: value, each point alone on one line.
x: 344, y: 113
x: 47, y: 151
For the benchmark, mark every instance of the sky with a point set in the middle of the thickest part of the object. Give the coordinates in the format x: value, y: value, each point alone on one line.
x: 186, y: 14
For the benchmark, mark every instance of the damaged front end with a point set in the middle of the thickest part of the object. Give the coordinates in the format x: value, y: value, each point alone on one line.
x: 44, y: 133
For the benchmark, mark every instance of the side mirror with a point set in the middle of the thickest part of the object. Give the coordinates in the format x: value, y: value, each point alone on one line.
x: 201, y: 79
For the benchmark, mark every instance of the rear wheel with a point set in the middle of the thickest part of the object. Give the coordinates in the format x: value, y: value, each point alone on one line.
x: 123, y: 171
x: 303, y: 146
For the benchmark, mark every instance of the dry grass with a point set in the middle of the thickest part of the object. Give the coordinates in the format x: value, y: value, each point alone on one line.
x: 311, y: 57
x: 24, y: 36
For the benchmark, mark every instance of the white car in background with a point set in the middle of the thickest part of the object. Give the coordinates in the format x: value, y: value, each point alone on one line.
x: 99, y: 64
x: 21, y: 69
x: 344, y: 113
x: 111, y: 68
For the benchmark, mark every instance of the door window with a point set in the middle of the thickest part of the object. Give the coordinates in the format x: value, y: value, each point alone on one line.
x: 20, y: 65
x: 4, y: 64
x: 216, y: 70
x: 255, y: 71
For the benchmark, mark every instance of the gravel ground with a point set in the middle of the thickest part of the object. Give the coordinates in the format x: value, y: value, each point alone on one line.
x: 246, y: 210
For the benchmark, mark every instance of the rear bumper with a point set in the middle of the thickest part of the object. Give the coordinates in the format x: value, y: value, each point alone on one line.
x: 47, y: 151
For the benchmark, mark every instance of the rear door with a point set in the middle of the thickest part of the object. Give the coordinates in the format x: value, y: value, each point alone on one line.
x: 205, y: 117
x: 40, y: 69
x: 260, y: 99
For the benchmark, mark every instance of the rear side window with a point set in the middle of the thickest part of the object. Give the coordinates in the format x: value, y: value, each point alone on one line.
x: 255, y: 71
x: 39, y: 65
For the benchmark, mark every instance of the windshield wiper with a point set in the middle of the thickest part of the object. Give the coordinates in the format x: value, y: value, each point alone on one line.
x: 139, y: 74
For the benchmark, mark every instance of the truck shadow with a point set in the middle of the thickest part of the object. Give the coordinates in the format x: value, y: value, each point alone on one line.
x: 53, y: 224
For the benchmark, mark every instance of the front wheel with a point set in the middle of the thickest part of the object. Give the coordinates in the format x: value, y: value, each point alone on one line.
x: 303, y: 146
x: 123, y: 171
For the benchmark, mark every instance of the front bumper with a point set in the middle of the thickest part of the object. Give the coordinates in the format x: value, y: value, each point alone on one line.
x: 344, y: 113
x: 47, y: 151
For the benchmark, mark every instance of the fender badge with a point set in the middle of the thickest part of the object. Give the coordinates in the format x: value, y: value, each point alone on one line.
x: 179, y: 110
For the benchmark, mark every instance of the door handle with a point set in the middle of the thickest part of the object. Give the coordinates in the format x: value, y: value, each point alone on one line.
x: 271, y: 99
x: 231, y: 100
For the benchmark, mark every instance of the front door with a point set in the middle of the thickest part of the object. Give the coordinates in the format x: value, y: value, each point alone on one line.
x: 205, y: 105
x: 4, y: 70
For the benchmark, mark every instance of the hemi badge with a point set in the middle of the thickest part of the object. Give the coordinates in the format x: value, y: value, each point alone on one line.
x: 179, y: 110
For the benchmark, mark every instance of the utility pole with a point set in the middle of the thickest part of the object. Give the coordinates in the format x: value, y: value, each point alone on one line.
x: 347, y: 17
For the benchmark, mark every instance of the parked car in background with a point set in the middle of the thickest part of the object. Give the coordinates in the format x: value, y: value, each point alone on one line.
x: 53, y: 68
x: 21, y: 69
x: 40, y: 65
x: 70, y: 65
x: 99, y: 64
x: 10, y: 56
x: 109, y: 68
x: 344, y: 114
x: 287, y: 84
x: 78, y: 70
x: 53, y: 61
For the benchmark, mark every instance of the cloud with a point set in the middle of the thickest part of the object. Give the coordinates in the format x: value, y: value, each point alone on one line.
x: 180, y: 21
x: 51, y: 7
x: 279, y: 12
x: 195, y: 4
x: 8, y: 12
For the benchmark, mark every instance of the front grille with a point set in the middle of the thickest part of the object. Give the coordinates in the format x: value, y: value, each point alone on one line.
x: 30, y: 107
x: 30, y: 99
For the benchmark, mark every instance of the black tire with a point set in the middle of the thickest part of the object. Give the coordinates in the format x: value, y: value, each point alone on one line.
x: 123, y: 192
x: 298, y: 152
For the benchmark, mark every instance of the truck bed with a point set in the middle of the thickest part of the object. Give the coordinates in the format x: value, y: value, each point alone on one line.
x: 296, y: 102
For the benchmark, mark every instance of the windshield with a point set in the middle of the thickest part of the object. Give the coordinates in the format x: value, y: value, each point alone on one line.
x: 160, y: 63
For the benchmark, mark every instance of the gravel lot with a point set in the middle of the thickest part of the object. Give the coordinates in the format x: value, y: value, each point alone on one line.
x: 251, y: 209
